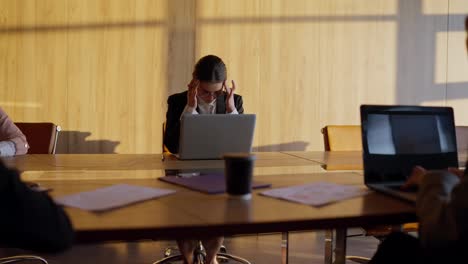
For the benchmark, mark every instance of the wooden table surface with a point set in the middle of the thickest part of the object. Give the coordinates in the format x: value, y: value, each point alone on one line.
x: 345, y: 160
x: 189, y: 213
x: 61, y: 162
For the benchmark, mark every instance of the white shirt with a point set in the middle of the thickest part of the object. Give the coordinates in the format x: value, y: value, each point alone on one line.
x: 205, y: 108
x: 7, y: 149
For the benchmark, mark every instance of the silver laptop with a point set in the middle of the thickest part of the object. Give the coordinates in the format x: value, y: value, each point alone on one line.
x: 210, y: 136
x: 397, y: 138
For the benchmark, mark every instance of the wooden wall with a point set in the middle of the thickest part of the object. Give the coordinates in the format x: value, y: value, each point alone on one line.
x: 103, y: 69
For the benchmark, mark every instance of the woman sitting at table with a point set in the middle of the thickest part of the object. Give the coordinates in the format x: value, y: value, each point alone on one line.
x: 208, y: 93
x: 12, y: 140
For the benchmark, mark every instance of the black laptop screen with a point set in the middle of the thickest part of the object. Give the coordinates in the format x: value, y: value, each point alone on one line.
x: 409, y: 134
x: 397, y: 138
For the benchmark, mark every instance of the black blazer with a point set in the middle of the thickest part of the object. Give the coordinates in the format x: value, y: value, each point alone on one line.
x: 176, y: 104
x: 30, y: 219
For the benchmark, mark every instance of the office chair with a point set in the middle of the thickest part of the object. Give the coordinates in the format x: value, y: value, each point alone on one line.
x: 342, y: 138
x: 348, y: 138
x: 25, y: 258
x: 41, y: 137
x: 199, y: 254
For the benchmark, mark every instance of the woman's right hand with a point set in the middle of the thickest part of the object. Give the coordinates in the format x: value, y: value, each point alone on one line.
x: 192, y: 93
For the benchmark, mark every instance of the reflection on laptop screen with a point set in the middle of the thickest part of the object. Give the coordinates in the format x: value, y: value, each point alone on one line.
x: 409, y: 134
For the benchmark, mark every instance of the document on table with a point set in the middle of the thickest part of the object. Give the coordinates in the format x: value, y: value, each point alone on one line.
x: 111, y: 197
x: 317, y: 194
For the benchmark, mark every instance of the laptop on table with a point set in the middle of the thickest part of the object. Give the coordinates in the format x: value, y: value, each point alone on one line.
x: 397, y: 138
x: 210, y: 136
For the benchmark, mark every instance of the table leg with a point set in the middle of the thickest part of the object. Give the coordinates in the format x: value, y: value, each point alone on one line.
x: 284, y: 247
x: 340, y: 246
x: 328, y: 246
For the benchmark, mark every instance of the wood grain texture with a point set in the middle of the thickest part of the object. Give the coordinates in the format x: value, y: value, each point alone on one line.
x: 103, y: 69
x: 347, y: 160
x: 131, y: 162
x: 457, y: 61
x: 184, y: 213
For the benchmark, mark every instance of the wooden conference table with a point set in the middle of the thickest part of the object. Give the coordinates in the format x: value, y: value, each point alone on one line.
x: 189, y: 213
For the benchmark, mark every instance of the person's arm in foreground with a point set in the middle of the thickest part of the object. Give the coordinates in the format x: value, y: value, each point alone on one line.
x: 30, y: 219
x: 441, y: 206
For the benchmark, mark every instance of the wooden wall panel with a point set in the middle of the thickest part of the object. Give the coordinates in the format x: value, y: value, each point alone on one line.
x: 315, y: 61
x: 103, y: 68
x: 457, y: 74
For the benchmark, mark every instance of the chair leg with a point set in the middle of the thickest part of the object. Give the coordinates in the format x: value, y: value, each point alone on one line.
x: 170, y: 251
x: 200, y: 256
x: 22, y: 258
x: 169, y: 259
x: 340, y: 246
x: 328, y: 246
x: 284, y: 248
x: 232, y: 257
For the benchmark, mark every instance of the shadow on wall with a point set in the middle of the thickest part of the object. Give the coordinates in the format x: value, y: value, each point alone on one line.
x: 291, y: 146
x: 74, y: 142
x: 466, y: 29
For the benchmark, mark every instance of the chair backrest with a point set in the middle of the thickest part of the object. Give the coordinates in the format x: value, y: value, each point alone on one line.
x: 348, y: 137
x: 41, y: 137
x: 342, y: 138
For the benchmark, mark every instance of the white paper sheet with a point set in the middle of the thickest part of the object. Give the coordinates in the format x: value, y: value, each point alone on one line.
x: 317, y: 194
x: 111, y: 197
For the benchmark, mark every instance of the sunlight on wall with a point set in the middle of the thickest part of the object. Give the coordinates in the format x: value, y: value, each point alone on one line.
x: 294, y: 8
x: 458, y: 7
x: 319, y: 69
x: 458, y: 58
x: 434, y: 7
x: 440, y: 62
x: 20, y: 105
x: 92, y: 66
x: 106, y: 67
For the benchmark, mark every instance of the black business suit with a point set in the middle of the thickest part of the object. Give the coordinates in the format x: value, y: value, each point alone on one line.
x: 30, y: 219
x: 176, y: 105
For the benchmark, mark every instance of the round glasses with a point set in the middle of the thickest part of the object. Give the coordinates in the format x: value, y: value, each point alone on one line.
x: 203, y: 93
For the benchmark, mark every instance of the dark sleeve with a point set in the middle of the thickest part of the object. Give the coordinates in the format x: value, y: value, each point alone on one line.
x: 239, y: 104
x: 31, y: 220
x: 171, y: 134
x: 437, y: 205
x: 460, y: 204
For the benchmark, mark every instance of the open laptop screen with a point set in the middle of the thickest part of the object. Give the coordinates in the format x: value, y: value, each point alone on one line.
x: 396, y: 138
